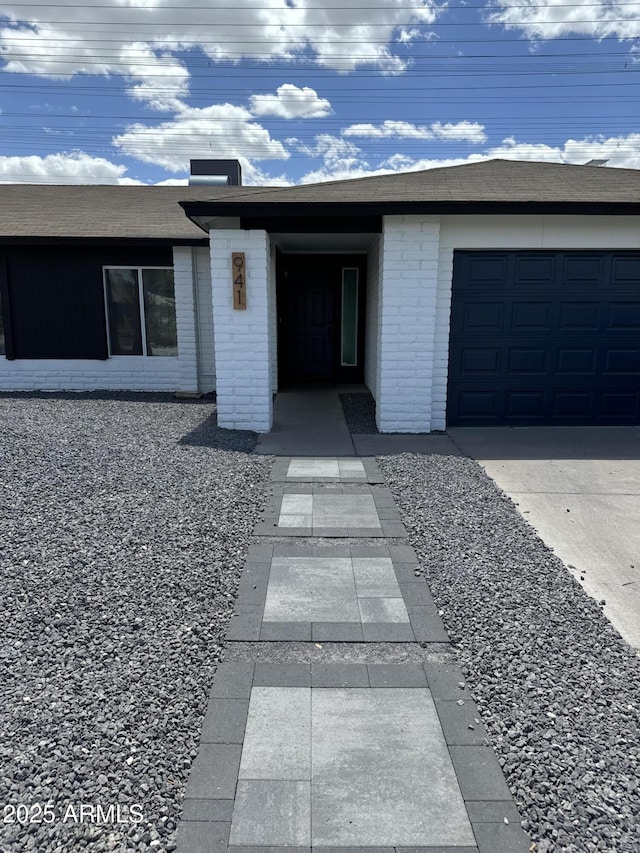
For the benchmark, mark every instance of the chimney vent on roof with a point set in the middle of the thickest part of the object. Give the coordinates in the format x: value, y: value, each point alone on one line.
x: 215, y: 173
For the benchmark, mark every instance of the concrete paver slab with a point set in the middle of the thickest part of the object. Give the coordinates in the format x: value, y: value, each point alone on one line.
x: 344, y: 511
x: 339, y: 675
x: 310, y: 468
x: 277, y: 743
x: 479, y: 774
x: 272, y: 812
x: 314, y: 589
x: 330, y: 510
x: 502, y: 838
x: 382, y: 610
x: 216, y: 811
x: 375, y: 577
x: 381, y: 771
x: 199, y: 837
x: 303, y: 596
x: 326, y: 469
x: 376, y: 741
x: 214, y: 772
x: 225, y: 721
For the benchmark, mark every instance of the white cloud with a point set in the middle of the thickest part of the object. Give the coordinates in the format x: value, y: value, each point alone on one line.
x: 74, y: 167
x: 160, y: 80
x: 462, y: 131
x: 622, y: 152
x: 341, y: 159
x: 388, y: 129
x: 221, y: 130
x: 59, y: 41
x: 549, y: 19
x: 619, y: 151
x: 291, y: 102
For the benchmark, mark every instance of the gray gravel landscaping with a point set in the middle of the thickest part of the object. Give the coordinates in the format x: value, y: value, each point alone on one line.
x: 124, y: 526
x: 359, y: 412
x: 557, y: 687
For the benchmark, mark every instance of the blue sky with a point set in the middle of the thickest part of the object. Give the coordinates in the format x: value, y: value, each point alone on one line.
x: 127, y: 91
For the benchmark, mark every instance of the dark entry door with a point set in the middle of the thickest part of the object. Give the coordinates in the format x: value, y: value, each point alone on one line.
x: 309, y: 323
x: 321, y: 311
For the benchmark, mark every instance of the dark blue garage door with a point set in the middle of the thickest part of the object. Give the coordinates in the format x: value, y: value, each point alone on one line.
x: 545, y: 338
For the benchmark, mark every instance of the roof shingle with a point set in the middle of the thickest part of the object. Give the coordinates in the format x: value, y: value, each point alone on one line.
x: 96, y: 212
x: 487, y: 181
x: 110, y: 212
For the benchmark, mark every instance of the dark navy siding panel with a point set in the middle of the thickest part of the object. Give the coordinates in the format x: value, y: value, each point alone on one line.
x: 57, y: 299
x: 545, y: 338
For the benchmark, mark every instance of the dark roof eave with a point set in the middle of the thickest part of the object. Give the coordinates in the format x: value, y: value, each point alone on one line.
x: 349, y: 209
x: 103, y: 241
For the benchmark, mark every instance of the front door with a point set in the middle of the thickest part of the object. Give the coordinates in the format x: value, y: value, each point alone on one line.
x: 309, y: 323
x: 310, y: 319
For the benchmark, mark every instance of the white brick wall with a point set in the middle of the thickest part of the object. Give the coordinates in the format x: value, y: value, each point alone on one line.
x: 372, y: 326
x: 119, y: 373
x: 242, y: 345
x: 183, y: 275
x: 204, y: 313
x: 273, y: 321
x: 407, y: 317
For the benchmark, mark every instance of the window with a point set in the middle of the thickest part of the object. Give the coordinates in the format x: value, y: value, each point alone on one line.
x: 349, y: 343
x: 141, y: 311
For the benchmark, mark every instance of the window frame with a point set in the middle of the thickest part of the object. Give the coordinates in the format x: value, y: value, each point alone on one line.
x: 143, y: 316
x: 356, y: 315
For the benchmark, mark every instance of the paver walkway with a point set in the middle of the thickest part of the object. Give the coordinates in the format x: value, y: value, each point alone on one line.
x: 339, y: 721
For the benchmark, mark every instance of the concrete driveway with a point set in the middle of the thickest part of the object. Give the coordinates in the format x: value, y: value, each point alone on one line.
x: 579, y: 487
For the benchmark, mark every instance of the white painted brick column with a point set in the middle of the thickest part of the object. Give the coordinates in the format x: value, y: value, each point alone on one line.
x: 407, y: 323
x: 183, y: 276
x: 242, y: 344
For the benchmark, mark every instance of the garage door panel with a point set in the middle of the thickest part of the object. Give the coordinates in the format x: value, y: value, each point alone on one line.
x: 486, y: 269
x: 579, y: 315
x: 531, y: 315
x: 569, y: 405
x: 626, y: 361
x: 625, y: 271
x: 483, y: 315
x: 479, y: 405
x: 624, y: 315
x: 584, y: 271
x: 525, y: 404
x: 527, y: 360
x: 624, y: 406
x: 570, y: 360
x: 534, y: 269
x: 524, y: 353
x: 484, y: 360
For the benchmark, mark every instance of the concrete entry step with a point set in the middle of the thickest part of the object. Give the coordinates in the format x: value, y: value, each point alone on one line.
x: 307, y: 422
x: 340, y: 593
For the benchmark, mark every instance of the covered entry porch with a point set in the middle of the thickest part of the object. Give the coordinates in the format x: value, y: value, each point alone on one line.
x: 310, y: 320
x: 329, y: 306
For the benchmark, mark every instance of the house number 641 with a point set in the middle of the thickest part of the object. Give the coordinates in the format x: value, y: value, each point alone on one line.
x: 239, y: 281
